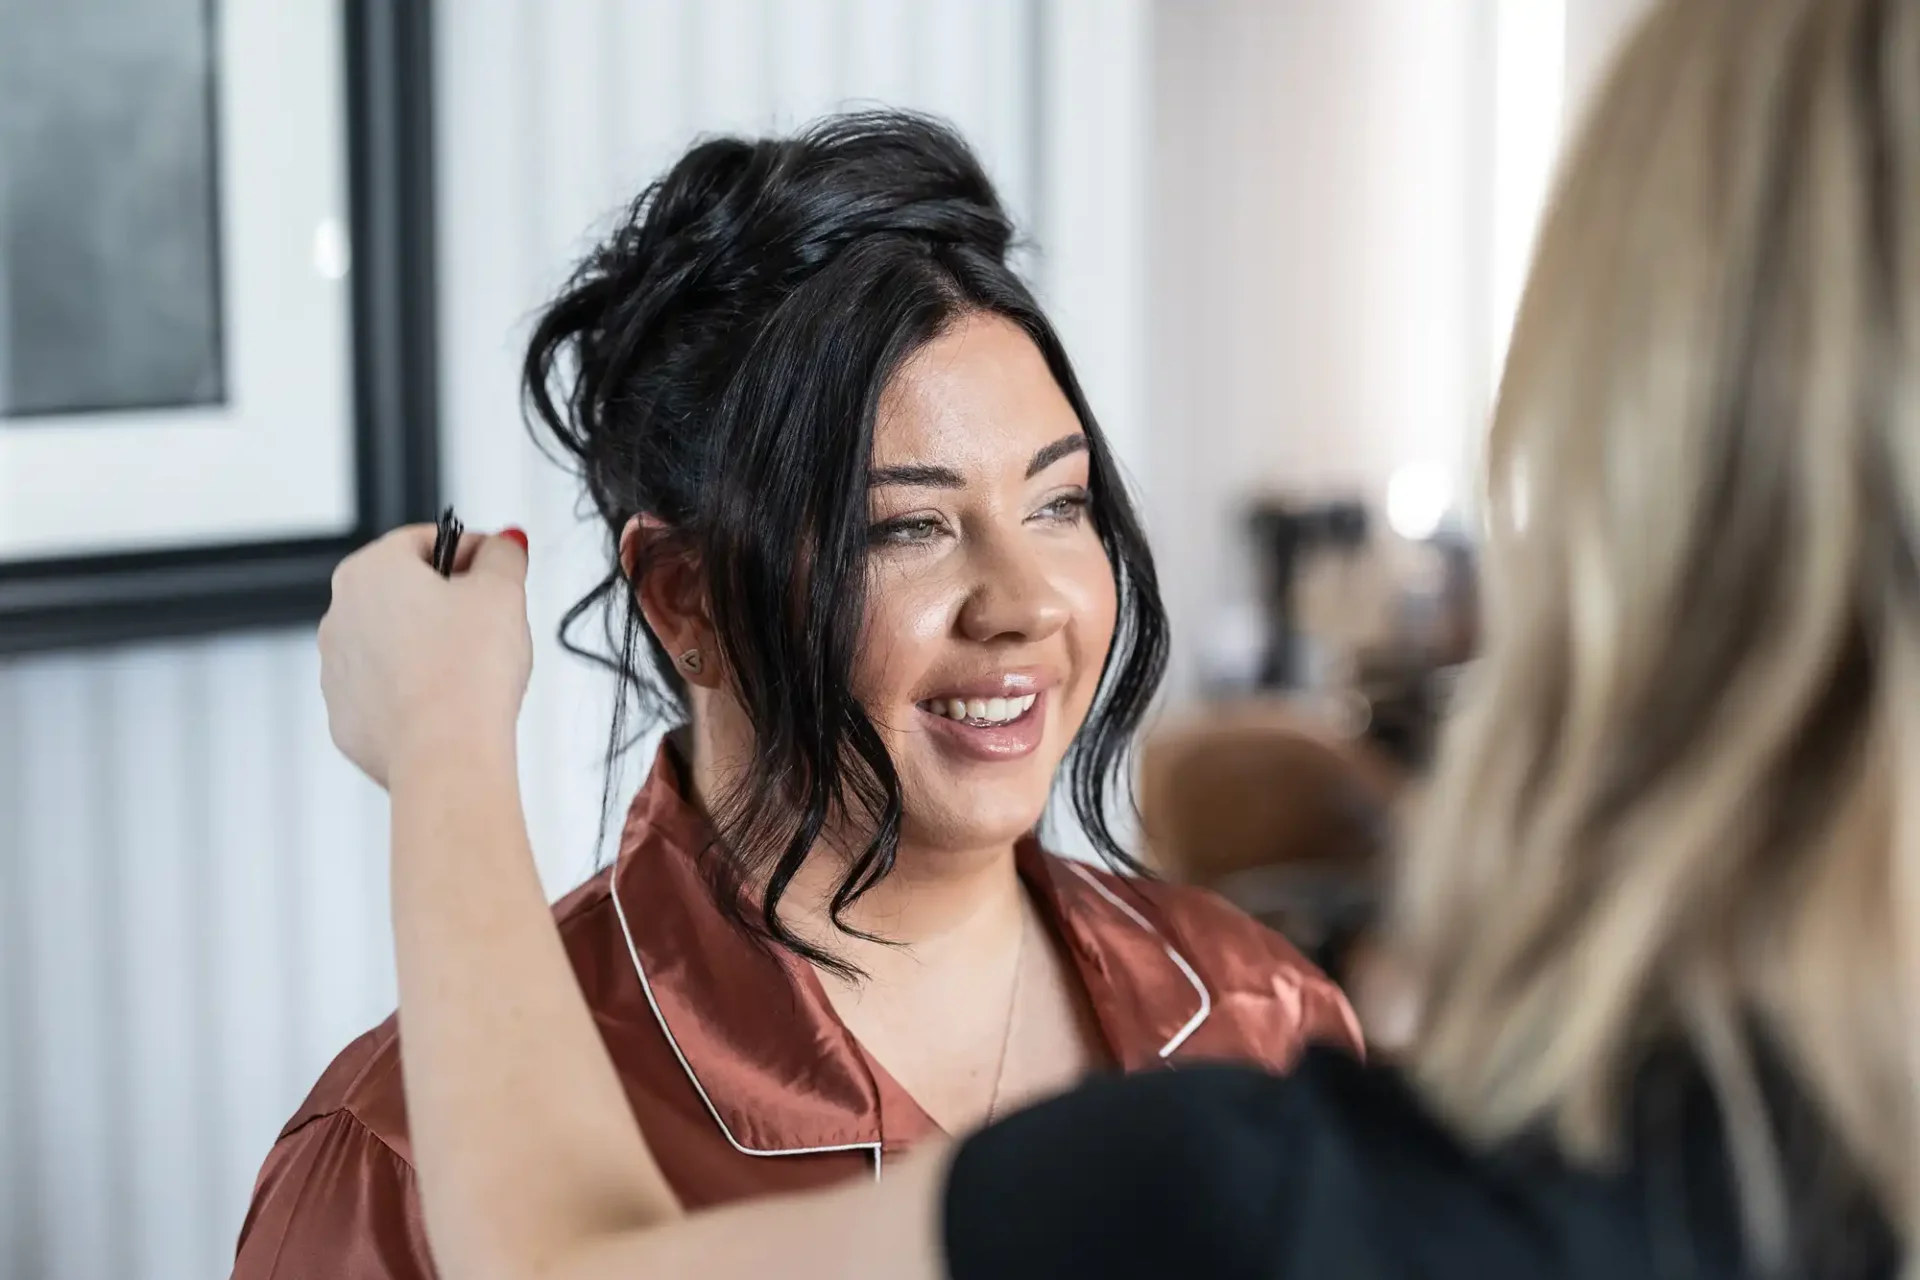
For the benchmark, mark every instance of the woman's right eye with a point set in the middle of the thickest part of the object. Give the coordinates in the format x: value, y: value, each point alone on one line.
x: 906, y: 531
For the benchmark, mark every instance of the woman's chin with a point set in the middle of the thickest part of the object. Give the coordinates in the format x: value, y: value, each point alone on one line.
x: 961, y: 804
x: 963, y: 822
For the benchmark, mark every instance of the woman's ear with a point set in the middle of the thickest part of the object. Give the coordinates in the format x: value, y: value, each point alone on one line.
x: 672, y: 595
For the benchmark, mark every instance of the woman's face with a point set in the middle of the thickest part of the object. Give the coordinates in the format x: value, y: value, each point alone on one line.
x: 990, y: 601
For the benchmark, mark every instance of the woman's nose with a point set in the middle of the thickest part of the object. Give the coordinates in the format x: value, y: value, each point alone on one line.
x: 1014, y: 599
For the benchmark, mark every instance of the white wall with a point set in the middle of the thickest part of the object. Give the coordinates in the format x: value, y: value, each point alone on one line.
x: 1317, y: 305
x: 192, y: 888
x: 1343, y: 197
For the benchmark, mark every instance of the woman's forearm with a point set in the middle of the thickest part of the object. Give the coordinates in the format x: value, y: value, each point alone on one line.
x: 523, y: 1136
x: 531, y: 1164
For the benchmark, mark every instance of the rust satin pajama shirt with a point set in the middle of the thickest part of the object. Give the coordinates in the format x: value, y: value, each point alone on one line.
x: 741, y: 1076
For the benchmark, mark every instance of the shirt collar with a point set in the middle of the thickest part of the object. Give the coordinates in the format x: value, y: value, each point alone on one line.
x: 1146, y: 995
x: 755, y: 1033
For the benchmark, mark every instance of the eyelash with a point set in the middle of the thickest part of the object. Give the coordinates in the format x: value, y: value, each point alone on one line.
x: 1071, y: 506
x: 1068, y: 508
x: 906, y: 531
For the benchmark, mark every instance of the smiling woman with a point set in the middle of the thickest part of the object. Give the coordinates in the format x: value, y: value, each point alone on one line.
x: 989, y: 585
x: 867, y: 543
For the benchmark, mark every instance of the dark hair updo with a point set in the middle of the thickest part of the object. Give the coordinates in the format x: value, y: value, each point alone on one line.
x: 717, y: 364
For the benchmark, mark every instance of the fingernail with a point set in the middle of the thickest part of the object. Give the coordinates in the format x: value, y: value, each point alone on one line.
x: 518, y: 534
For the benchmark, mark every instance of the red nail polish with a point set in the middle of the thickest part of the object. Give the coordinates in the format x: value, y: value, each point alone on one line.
x: 518, y: 534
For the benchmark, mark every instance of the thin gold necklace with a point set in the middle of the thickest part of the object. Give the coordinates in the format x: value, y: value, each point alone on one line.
x: 1013, y: 1004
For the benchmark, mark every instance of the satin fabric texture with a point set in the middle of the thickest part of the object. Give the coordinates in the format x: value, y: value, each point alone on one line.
x: 740, y: 1074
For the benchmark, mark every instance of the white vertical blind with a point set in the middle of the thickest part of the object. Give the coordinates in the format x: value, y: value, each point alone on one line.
x: 1093, y: 178
x: 159, y: 802
x: 193, y: 910
x: 68, y: 934
x: 20, y: 1186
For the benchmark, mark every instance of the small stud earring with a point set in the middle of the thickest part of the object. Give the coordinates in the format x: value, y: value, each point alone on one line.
x: 691, y: 660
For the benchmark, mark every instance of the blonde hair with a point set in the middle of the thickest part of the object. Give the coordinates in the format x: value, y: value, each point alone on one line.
x: 1680, y: 797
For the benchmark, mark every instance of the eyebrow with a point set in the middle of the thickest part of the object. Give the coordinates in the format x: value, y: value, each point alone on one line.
x: 1064, y: 447
x: 925, y: 477
x: 918, y: 477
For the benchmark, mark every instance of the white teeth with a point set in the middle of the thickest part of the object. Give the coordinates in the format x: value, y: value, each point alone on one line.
x: 982, y: 710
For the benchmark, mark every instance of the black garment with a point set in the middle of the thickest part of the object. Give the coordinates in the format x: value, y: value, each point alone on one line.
x: 1338, y: 1171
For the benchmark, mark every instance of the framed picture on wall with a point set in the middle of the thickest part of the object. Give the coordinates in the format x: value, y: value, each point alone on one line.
x: 216, y: 308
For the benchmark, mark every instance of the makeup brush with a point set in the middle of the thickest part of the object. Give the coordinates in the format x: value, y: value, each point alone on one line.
x: 446, y: 542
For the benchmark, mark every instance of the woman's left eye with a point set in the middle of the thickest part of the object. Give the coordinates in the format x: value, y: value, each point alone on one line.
x: 1068, y: 508
x: 905, y: 531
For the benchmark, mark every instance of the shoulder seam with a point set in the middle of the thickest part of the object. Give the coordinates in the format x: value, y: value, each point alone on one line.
x: 307, y: 1185
x: 356, y: 1122
x: 598, y: 891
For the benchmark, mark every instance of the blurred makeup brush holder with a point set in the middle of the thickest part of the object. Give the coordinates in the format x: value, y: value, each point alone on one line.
x: 1368, y: 626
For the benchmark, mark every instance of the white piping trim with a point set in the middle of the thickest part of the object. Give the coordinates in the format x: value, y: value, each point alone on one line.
x: 1206, y: 997
x: 873, y: 1148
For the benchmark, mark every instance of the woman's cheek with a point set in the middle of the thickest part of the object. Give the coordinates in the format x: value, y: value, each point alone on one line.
x: 899, y: 636
x: 1095, y: 604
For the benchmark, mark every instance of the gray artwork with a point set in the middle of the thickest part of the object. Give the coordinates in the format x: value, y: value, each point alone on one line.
x: 109, y: 235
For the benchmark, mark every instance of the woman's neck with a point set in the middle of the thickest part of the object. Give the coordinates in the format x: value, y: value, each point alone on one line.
x: 932, y: 900
x: 934, y: 903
